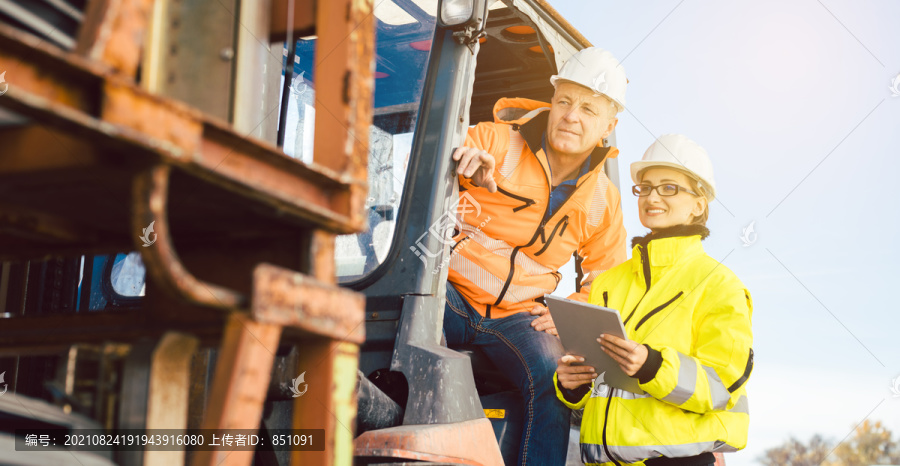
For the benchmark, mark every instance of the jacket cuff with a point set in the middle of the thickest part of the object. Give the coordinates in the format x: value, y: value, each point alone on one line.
x: 573, y: 396
x: 651, y: 366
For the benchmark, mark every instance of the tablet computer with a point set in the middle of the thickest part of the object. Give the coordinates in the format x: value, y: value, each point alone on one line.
x: 579, y: 326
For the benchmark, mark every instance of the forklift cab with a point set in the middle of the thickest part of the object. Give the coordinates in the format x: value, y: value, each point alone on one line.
x: 450, y: 76
x: 440, y: 67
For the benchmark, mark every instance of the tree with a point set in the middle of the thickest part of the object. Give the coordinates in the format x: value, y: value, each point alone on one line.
x: 795, y: 453
x: 871, y: 443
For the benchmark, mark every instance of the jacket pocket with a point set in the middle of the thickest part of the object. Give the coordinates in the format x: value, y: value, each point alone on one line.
x: 656, y: 310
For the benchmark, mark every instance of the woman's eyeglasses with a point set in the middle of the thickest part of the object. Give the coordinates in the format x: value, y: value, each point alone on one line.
x: 666, y: 190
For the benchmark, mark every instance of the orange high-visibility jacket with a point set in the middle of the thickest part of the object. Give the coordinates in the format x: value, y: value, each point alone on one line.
x: 504, y: 256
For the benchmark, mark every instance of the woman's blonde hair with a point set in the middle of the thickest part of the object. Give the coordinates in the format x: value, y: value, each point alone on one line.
x: 698, y: 188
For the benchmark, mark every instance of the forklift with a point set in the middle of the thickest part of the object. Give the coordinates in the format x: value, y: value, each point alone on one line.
x: 439, y: 67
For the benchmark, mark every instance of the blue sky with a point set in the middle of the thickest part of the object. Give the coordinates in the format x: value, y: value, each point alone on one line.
x: 791, y: 101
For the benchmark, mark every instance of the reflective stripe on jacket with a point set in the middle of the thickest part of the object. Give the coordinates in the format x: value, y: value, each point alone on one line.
x: 696, y: 313
x: 504, y: 256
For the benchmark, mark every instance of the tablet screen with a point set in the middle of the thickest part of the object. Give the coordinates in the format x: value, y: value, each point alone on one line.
x: 579, y: 325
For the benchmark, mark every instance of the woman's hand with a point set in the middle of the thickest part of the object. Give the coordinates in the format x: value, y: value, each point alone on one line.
x: 477, y: 165
x: 572, y: 377
x: 629, y: 354
x: 544, y: 323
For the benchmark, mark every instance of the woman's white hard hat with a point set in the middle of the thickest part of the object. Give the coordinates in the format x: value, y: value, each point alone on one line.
x: 597, y: 70
x: 678, y: 152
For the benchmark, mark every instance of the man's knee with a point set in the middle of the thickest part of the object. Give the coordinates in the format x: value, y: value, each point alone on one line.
x: 549, y: 350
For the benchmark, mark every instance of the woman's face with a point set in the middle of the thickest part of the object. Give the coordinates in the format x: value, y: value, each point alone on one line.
x: 667, y: 211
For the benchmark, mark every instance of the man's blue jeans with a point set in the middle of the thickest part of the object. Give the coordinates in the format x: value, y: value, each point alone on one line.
x: 528, y: 359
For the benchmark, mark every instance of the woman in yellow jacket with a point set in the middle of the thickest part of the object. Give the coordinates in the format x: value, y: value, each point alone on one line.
x: 687, y: 319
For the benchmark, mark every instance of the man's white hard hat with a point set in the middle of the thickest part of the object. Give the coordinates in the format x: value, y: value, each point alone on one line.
x: 678, y: 152
x: 598, y: 70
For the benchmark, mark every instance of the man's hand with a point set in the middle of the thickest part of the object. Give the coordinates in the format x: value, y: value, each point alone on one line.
x: 544, y: 323
x: 629, y: 354
x: 476, y: 165
x: 572, y: 377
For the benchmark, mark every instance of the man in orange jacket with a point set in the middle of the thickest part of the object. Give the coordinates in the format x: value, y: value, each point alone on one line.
x: 535, y: 176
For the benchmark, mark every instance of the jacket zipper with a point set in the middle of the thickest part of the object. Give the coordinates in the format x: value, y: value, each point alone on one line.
x: 657, y: 309
x: 645, y: 263
x: 605, y: 299
x: 527, y: 202
x: 534, y: 237
x: 512, y: 261
x: 605, y: 422
x: 538, y: 232
x: 564, y: 222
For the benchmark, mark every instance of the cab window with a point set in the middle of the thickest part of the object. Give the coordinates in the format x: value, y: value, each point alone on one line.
x: 404, y: 30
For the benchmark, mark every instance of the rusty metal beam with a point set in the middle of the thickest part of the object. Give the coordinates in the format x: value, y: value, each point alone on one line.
x: 32, y: 147
x: 344, y: 54
x: 291, y: 299
x: 113, y: 33
x: 240, y: 384
x: 69, y: 93
x: 151, y: 191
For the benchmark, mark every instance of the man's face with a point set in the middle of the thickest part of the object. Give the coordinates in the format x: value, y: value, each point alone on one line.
x: 579, y: 120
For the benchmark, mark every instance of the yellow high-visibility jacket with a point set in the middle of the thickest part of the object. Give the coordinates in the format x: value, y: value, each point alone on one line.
x: 694, y: 315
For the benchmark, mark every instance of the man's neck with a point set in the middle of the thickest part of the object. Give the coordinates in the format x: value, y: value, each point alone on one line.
x: 564, y: 167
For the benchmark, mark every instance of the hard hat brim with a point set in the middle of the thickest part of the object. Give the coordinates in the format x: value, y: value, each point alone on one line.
x: 555, y: 79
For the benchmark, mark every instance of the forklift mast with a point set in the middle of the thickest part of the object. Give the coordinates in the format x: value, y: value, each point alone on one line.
x: 151, y: 126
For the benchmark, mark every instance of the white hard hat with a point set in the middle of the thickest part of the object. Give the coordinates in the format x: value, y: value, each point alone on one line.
x: 678, y: 152
x: 597, y: 70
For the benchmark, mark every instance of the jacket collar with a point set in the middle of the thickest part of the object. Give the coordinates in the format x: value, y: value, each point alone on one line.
x: 665, y: 246
x: 533, y: 130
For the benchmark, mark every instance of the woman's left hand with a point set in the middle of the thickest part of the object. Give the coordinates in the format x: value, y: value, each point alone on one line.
x: 629, y: 354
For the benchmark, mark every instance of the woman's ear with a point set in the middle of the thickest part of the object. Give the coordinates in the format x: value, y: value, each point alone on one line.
x: 699, y: 206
